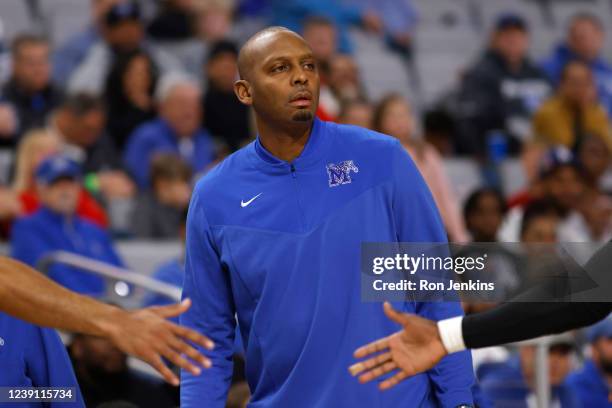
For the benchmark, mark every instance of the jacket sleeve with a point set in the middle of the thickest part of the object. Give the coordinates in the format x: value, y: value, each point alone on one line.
x: 26, y: 246
x: 417, y: 220
x: 212, y: 312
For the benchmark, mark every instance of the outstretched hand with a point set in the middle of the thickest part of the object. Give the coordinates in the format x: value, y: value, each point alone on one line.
x: 414, y: 349
x: 146, y: 334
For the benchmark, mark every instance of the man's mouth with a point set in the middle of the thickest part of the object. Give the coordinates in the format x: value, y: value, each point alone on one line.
x: 301, y: 99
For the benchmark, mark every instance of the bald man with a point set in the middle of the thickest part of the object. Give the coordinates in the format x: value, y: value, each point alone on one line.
x: 274, y: 235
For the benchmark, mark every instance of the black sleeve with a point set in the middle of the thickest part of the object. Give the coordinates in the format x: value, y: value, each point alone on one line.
x: 516, y: 321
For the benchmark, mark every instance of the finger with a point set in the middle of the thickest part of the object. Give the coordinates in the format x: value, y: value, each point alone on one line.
x: 184, y: 348
x: 180, y: 361
x: 369, y: 363
x: 157, y: 363
x: 375, y: 346
x: 377, y: 372
x: 192, y: 335
x: 171, y: 310
x: 394, y: 315
x: 390, y: 382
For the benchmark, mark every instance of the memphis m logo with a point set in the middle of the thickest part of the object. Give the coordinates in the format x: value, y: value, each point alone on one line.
x: 341, y: 173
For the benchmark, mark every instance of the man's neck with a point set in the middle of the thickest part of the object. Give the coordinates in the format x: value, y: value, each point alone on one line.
x: 284, y: 142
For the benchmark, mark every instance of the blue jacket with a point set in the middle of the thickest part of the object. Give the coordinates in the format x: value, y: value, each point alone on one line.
x: 171, y: 272
x: 46, y: 231
x: 32, y: 356
x: 590, y: 386
x: 278, y: 244
x: 504, y: 385
x: 601, y: 69
x: 156, y: 136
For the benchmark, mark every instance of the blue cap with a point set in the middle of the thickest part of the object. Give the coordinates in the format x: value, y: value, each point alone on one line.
x: 56, y: 167
x: 554, y: 158
x: 122, y: 11
x: 601, y: 329
x: 510, y: 20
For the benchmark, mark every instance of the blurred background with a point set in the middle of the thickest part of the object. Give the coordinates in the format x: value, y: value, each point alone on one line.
x: 111, y: 109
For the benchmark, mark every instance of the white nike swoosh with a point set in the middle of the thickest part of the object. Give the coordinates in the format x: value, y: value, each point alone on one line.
x: 244, y: 204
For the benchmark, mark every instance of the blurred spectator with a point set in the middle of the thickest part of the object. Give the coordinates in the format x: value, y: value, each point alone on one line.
x: 293, y: 13
x: 56, y: 226
x: 596, y: 209
x: 540, y: 222
x: 573, y: 113
x: 393, y: 116
x: 79, y: 122
x: 322, y: 37
x: 224, y: 116
x: 343, y: 85
x: 159, y: 212
x: 595, y: 158
x: 176, y: 131
x: 129, y: 94
x: 511, y: 384
x: 8, y: 125
x: 69, y: 55
x: 501, y: 91
x: 439, y: 131
x: 33, y: 356
x: 592, y: 382
x: 484, y: 211
x: 214, y: 19
x: 35, y: 147
x: 357, y: 112
x: 122, y: 32
x: 584, y: 42
x: 561, y: 181
x: 173, y: 22
x: 29, y: 90
x: 104, y: 376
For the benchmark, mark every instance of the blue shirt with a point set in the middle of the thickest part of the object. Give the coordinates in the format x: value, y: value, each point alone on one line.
x: 32, y: 356
x: 602, y: 72
x: 45, y: 231
x: 278, y: 244
x: 590, y: 386
x: 156, y: 136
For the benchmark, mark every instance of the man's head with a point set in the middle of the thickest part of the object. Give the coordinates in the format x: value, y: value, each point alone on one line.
x: 561, y: 179
x: 600, y: 337
x: 31, y: 65
x: 122, y: 27
x: 171, y: 178
x: 321, y: 35
x: 510, y: 38
x: 222, y: 65
x: 344, y: 77
x: 577, y: 85
x: 58, y: 184
x: 595, y: 158
x: 484, y: 212
x: 179, y: 100
x: 357, y: 112
x: 279, y: 78
x: 559, y: 360
x: 393, y: 116
x: 585, y: 36
x: 81, y: 119
x: 540, y: 222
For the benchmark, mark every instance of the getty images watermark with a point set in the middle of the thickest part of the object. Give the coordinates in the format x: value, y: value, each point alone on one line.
x: 483, y: 272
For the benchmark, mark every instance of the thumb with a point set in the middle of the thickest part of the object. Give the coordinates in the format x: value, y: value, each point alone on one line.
x: 394, y: 315
x: 172, y: 310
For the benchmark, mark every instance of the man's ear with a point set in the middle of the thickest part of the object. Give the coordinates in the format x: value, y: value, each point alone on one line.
x: 242, y: 89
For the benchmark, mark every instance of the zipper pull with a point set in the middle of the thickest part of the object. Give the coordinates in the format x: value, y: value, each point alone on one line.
x: 292, y: 170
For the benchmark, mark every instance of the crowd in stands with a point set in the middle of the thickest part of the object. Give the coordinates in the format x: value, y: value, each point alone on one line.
x: 107, y: 132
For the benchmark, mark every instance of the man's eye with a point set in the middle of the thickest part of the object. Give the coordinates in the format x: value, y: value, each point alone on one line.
x: 309, y: 66
x: 279, y: 68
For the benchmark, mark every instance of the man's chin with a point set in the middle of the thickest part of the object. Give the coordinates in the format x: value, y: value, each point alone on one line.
x: 302, y: 116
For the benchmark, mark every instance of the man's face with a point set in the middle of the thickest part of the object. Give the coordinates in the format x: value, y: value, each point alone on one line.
x: 322, y: 40
x: 578, y: 85
x: 82, y: 130
x: 565, y: 186
x: 602, y: 354
x: 542, y: 229
x: 486, y: 218
x: 124, y: 36
x: 31, y: 67
x: 182, y: 109
x: 222, y: 71
x: 397, y: 120
x: 61, y: 196
x: 344, y: 76
x: 283, y: 83
x: 586, y: 39
x: 512, y: 44
x: 559, y: 363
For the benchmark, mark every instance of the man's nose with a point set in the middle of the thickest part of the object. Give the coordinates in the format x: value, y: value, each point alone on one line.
x: 300, y: 77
